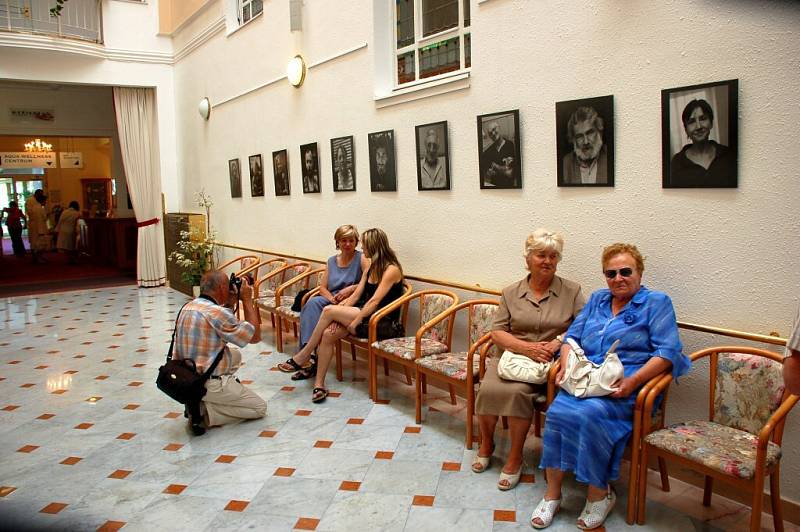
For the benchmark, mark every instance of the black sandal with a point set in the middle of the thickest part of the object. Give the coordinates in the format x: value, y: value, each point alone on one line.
x: 290, y: 366
x: 319, y: 395
x: 305, y: 373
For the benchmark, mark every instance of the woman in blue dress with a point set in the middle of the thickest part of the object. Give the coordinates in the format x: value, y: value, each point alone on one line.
x: 587, y: 436
x: 341, y: 277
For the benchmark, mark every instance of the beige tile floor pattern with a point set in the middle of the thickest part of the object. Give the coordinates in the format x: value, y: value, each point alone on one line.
x: 89, y: 443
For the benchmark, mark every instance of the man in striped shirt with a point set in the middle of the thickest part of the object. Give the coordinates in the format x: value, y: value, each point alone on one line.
x: 204, y: 328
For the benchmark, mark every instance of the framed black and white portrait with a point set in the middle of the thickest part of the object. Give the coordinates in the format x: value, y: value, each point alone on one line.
x: 280, y: 168
x: 700, y: 132
x: 343, y: 164
x: 499, y: 151
x: 585, y: 142
x: 236, y: 178
x: 382, y: 169
x: 433, y: 159
x: 310, y: 158
x: 256, y: 176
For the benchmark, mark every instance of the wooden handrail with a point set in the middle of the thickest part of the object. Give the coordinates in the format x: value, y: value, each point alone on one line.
x: 732, y: 333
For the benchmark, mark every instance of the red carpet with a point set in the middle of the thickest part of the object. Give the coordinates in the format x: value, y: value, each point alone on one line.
x: 19, y: 276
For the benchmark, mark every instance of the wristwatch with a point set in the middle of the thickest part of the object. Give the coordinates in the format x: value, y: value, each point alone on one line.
x: 560, y: 338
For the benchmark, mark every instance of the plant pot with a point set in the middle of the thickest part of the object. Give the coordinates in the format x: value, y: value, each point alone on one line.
x: 196, y: 291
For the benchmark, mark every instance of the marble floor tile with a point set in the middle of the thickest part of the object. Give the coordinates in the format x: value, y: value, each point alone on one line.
x: 366, y: 511
x: 401, y: 477
x: 428, y: 519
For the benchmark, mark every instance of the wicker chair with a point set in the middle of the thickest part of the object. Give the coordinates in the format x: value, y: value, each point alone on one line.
x: 267, y: 300
x: 740, y: 443
x: 285, y: 297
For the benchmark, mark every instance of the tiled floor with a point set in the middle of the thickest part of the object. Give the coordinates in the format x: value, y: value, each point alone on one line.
x: 87, y: 442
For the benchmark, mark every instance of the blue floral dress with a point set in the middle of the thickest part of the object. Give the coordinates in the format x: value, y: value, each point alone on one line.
x: 588, y: 436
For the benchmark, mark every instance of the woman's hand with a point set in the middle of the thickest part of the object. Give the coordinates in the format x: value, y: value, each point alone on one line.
x: 625, y: 386
x: 539, y: 351
x: 344, y: 293
x: 352, y: 327
x: 333, y: 327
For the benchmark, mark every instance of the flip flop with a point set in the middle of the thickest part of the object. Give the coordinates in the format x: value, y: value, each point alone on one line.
x: 305, y: 373
x: 290, y: 366
x: 319, y: 395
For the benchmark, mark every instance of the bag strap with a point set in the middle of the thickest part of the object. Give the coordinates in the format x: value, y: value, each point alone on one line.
x: 217, y: 359
x: 213, y: 366
x: 174, y: 330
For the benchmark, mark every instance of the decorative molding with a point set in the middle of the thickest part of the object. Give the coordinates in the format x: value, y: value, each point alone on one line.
x: 283, y: 76
x: 200, y: 39
x: 57, y: 44
x: 457, y: 82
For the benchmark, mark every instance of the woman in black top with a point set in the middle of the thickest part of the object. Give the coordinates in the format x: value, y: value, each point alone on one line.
x: 380, y: 285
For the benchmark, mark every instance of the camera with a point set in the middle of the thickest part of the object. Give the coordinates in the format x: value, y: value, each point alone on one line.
x: 234, y: 283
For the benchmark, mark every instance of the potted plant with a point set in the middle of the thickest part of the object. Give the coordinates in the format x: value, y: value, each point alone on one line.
x: 195, y: 254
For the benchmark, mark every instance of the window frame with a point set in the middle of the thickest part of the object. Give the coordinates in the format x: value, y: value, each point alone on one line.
x: 240, y: 5
x: 459, y: 31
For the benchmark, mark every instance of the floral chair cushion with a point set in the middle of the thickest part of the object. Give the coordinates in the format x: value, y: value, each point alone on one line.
x: 725, y: 449
x: 403, y: 347
x: 291, y: 291
x: 748, y: 391
x: 286, y: 311
x: 432, y: 306
x: 453, y: 365
x: 480, y: 321
x: 266, y: 302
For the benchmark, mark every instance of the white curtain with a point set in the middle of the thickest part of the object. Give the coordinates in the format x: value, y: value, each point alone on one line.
x: 138, y: 134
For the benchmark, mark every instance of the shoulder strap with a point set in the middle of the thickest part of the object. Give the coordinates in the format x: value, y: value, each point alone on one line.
x: 174, y: 329
x: 213, y: 366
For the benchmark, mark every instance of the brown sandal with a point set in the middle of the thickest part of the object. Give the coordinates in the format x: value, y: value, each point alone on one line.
x: 290, y: 366
x: 319, y: 395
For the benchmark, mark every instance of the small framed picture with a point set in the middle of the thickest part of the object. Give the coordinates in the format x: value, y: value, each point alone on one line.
x: 236, y: 178
x: 256, y: 176
x: 433, y: 157
x: 343, y: 163
x: 382, y: 169
x: 700, y: 133
x: 585, y: 142
x: 280, y: 168
x: 310, y: 170
x: 498, y: 150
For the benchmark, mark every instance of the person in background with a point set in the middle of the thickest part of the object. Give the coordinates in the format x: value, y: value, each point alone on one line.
x: 15, y: 221
x: 66, y: 229
x: 38, y: 234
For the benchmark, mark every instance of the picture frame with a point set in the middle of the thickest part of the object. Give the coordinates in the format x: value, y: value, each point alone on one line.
x: 235, y: 172
x: 700, y: 135
x: 585, y: 142
x: 433, y: 156
x: 309, y: 158
x: 256, y: 176
x: 343, y: 164
x: 499, y: 158
x: 280, y: 170
x: 382, y: 162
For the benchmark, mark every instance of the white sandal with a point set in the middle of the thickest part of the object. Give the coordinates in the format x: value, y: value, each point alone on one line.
x: 511, y: 478
x: 481, y: 463
x: 545, y: 511
x: 594, y: 513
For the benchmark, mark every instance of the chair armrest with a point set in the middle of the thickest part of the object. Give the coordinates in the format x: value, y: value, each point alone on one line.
x: 448, y: 312
x: 487, y: 344
x: 377, y: 315
x: 294, y: 280
x: 551, y: 380
x: 253, y: 267
x: 655, y: 387
x: 268, y: 276
x: 225, y: 265
x: 311, y: 293
x: 775, y: 421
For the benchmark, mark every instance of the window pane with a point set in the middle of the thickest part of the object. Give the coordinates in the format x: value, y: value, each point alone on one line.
x: 438, y: 15
x: 405, y: 22
x: 245, y: 13
x: 466, y: 13
x: 258, y: 6
x: 405, y: 68
x: 467, y: 50
x: 439, y: 58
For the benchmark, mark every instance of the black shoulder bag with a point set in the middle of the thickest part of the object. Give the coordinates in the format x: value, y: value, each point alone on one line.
x: 179, y: 378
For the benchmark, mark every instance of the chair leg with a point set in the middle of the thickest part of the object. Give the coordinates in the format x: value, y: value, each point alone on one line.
x: 641, y: 484
x: 633, y: 488
x: 272, y: 318
x: 424, y: 384
x: 470, y: 415
x: 294, y: 326
x: 758, y: 496
x: 278, y: 335
x: 662, y: 468
x: 708, y: 488
x: 408, y: 374
x: 337, y: 353
x: 452, y: 395
x: 775, y: 499
x: 373, y: 376
x: 353, y: 351
x: 385, y: 367
x: 418, y: 396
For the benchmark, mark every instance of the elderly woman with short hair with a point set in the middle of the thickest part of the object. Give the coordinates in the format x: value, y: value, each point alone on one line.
x: 588, y: 435
x: 531, y: 315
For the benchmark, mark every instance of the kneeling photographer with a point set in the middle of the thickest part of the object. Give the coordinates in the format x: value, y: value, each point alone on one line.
x: 203, y: 330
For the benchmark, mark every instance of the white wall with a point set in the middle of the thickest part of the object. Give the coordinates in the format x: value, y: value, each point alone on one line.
x: 727, y: 257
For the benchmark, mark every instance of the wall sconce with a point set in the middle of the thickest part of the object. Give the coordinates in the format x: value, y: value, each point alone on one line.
x: 204, y: 108
x: 296, y: 71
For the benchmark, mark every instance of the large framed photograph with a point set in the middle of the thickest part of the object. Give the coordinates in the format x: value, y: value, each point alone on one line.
x: 498, y: 150
x: 256, y: 176
x: 310, y: 170
x: 236, y: 178
x: 699, y: 138
x: 382, y: 169
x: 585, y: 142
x: 343, y: 163
x: 280, y: 168
x: 433, y: 157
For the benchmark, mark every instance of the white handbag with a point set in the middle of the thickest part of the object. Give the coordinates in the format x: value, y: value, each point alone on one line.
x: 584, y: 378
x: 516, y: 367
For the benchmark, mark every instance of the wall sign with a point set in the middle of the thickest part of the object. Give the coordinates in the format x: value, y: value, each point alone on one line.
x: 70, y: 159
x: 23, y: 159
x: 19, y: 114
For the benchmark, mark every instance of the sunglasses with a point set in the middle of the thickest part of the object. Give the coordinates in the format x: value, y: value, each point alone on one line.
x: 611, y: 274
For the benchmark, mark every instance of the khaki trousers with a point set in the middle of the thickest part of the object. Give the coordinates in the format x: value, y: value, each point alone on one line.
x: 228, y: 401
